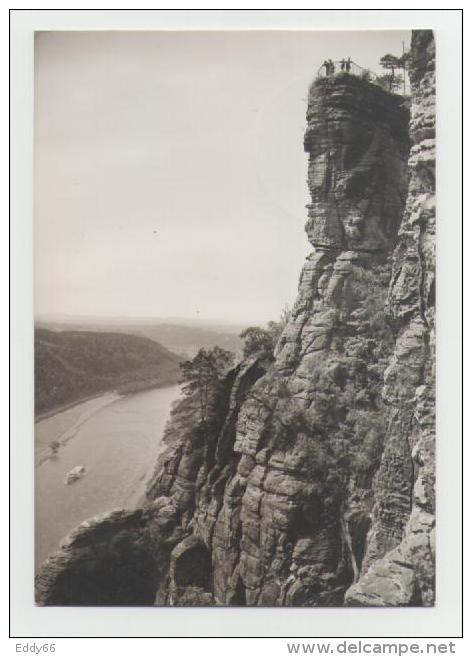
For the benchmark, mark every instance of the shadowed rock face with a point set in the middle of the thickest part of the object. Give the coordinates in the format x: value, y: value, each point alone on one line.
x: 399, y: 565
x: 105, y: 561
x: 300, y: 487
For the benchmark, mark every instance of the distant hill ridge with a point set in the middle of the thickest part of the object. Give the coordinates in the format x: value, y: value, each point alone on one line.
x: 184, y: 337
x: 77, y: 364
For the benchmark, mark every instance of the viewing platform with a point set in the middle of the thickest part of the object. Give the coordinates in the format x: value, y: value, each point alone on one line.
x: 388, y: 82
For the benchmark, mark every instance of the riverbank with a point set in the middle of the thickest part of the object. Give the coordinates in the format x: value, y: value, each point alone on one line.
x: 122, y: 391
x: 117, y: 439
x: 65, y: 407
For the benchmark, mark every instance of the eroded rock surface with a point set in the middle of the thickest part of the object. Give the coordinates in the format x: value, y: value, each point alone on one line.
x: 399, y: 565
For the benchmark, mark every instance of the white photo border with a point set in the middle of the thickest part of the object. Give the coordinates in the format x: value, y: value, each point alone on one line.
x: 443, y: 620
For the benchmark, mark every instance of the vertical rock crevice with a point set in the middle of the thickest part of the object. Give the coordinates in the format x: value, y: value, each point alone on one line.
x: 399, y: 565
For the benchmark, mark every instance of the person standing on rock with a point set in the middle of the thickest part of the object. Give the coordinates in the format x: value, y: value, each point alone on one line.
x: 343, y: 64
x: 348, y: 65
x: 327, y: 67
x: 331, y: 66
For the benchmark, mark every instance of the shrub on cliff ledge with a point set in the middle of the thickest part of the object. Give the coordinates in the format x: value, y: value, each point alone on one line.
x: 261, y: 342
x: 257, y: 341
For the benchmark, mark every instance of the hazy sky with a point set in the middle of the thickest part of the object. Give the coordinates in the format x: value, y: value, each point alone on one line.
x: 170, y: 177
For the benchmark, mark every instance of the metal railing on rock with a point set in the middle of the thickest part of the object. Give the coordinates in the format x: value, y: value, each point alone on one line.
x: 330, y: 69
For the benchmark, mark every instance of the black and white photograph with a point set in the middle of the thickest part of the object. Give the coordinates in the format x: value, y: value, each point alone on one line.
x: 234, y: 296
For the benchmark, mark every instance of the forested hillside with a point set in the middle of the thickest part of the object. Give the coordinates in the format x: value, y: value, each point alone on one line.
x: 72, y: 365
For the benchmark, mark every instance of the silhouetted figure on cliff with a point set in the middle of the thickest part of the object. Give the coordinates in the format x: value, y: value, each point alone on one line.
x: 343, y: 64
x: 327, y: 68
x: 348, y: 65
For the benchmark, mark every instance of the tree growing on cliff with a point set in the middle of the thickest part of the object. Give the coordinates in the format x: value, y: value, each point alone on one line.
x: 391, y: 81
x: 202, y: 374
x: 257, y: 341
x: 260, y: 341
x: 390, y: 62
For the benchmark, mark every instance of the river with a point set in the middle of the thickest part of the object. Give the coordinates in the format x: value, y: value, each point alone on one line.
x: 117, y: 439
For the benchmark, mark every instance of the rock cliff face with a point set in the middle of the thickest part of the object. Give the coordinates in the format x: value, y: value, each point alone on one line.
x: 399, y: 565
x: 312, y: 483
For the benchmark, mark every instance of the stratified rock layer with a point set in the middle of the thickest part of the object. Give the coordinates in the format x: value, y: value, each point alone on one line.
x: 398, y: 568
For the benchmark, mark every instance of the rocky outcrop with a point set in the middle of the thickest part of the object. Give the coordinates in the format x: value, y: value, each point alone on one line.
x: 399, y: 565
x: 311, y: 481
x: 108, y: 560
